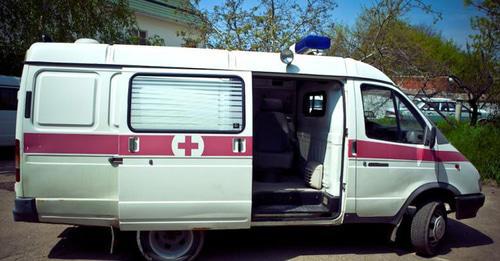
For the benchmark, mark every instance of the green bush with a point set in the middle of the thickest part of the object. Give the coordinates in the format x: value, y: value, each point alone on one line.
x: 480, y: 144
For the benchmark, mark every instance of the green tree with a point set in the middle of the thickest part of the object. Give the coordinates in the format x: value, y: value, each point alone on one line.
x: 383, y: 37
x: 23, y: 23
x: 488, y: 26
x: 270, y: 25
x: 477, y: 74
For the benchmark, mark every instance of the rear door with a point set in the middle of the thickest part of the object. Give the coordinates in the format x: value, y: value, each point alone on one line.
x: 186, y: 148
x: 67, y: 141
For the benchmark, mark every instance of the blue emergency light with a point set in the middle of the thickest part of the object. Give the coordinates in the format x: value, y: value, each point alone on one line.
x: 312, y: 43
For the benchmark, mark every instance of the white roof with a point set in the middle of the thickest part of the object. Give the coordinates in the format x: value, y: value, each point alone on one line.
x: 196, y: 58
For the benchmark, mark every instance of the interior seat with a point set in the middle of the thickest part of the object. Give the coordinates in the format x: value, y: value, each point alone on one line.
x: 273, y: 147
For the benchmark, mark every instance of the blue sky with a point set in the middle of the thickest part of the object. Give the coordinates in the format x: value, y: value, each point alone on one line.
x: 455, y: 23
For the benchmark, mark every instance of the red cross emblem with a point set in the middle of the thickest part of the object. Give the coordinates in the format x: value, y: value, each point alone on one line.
x: 187, y: 145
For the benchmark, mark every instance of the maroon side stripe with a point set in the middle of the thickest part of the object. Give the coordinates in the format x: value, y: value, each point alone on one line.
x: 149, y: 145
x: 70, y: 143
x: 223, y: 146
x: 379, y: 150
x: 160, y: 145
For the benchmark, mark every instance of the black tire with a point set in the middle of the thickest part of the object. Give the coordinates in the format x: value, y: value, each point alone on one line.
x: 170, y: 245
x: 428, y: 228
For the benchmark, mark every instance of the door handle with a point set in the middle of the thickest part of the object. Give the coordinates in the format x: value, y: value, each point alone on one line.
x: 133, y: 144
x: 354, y: 148
x: 239, y: 145
x: 115, y: 161
x: 378, y: 164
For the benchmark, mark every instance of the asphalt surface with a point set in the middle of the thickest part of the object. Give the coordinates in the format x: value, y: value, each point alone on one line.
x: 471, y: 239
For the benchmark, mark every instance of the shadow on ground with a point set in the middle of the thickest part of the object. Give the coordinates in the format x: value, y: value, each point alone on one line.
x: 277, y: 243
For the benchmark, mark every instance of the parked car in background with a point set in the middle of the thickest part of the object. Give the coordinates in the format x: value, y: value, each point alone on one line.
x: 447, y: 107
x: 9, y: 86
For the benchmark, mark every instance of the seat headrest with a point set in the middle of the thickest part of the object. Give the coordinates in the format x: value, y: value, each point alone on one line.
x: 270, y: 104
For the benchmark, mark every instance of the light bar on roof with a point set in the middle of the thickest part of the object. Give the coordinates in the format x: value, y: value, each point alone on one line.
x: 312, y: 44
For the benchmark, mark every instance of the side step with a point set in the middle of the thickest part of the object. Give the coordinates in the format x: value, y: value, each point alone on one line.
x: 293, y: 204
x: 289, y: 209
x: 288, y: 198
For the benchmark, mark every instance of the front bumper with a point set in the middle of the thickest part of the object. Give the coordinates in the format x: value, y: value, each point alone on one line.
x: 25, y: 210
x: 467, y: 206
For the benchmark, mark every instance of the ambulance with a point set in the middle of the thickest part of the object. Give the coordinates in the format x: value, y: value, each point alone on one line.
x: 170, y: 142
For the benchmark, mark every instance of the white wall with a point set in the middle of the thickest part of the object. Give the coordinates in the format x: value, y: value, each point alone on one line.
x: 165, y: 29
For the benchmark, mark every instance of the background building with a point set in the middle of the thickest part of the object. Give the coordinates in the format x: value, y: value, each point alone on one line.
x: 439, y: 86
x: 166, y: 18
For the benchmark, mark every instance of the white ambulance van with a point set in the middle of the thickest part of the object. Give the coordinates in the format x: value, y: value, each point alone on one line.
x: 171, y: 142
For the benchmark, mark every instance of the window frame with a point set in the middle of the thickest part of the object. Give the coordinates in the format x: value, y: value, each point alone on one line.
x: 305, y: 104
x: 129, y: 103
x: 405, y: 101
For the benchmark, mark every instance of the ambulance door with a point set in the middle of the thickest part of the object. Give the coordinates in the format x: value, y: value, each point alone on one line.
x: 67, y: 141
x: 186, y: 150
x: 391, y: 158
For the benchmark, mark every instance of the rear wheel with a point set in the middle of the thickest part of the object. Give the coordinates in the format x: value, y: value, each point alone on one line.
x: 170, y: 245
x: 428, y: 228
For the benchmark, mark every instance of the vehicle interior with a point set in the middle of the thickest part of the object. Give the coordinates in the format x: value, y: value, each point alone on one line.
x: 298, y: 141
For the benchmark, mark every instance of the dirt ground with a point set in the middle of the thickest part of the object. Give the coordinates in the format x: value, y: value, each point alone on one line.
x: 472, y: 239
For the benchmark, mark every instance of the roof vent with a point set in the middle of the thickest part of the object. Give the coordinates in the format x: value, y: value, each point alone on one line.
x: 86, y: 41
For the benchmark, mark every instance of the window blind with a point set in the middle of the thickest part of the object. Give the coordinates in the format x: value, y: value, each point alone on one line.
x: 174, y: 103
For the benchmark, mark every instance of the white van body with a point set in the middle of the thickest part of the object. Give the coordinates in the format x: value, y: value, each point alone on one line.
x: 9, y: 85
x: 162, y: 138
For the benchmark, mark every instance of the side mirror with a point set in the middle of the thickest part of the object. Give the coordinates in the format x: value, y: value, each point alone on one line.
x: 430, y: 137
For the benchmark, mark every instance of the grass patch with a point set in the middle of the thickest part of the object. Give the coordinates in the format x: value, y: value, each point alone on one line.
x: 480, y: 144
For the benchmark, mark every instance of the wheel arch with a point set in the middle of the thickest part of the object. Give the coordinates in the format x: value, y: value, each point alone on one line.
x: 426, y: 193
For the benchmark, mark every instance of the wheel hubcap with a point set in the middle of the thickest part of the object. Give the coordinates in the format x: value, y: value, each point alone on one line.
x: 437, y: 229
x: 171, y: 244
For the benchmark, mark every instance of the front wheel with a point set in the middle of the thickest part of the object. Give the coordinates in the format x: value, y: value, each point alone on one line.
x: 428, y: 228
x: 170, y: 245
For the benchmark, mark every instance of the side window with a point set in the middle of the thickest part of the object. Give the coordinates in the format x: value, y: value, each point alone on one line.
x: 380, y: 118
x: 389, y: 117
x: 429, y: 106
x: 444, y: 106
x: 186, y: 104
x: 411, y: 126
x: 8, y: 99
x: 315, y: 104
x: 451, y: 106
